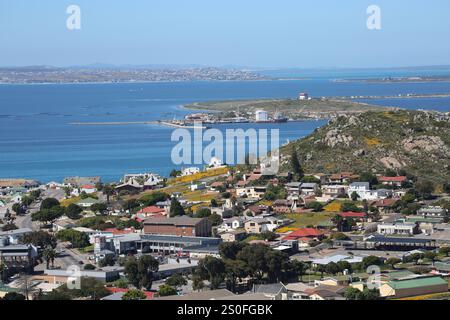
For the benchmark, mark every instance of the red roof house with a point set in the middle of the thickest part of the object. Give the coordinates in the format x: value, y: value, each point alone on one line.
x: 353, y: 215
x: 305, y: 233
x: 151, y: 210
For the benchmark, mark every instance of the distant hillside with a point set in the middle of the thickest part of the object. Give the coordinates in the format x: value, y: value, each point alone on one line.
x: 418, y: 142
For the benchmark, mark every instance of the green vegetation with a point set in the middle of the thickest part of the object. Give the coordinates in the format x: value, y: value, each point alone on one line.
x: 411, y: 141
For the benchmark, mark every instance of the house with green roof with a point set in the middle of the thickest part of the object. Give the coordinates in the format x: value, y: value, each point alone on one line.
x: 87, y: 203
x: 410, y: 287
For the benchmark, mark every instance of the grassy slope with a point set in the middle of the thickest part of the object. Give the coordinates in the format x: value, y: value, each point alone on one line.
x: 365, y: 141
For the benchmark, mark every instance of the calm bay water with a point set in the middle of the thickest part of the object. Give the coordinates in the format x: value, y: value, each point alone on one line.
x: 37, y: 140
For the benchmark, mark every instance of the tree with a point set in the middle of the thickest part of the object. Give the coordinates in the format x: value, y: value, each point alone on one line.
x: 108, y: 190
x: 9, y: 227
x: 203, y: 213
x: 89, y: 266
x: 166, y: 290
x: 40, y: 239
x: 175, y: 173
x: 176, y: 281
x: 229, y: 250
x: 352, y: 293
x: 134, y: 295
x: 99, y: 208
x: 152, y: 198
x: 425, y: 188
x: 49, y: 203
x: 369, y: 177
x: 197, y: 282
x: 430, y: 255
x: 315, y: 206
x: 212, y: 269
x: 47, y: 216
x: 344, y: 265
x: 176, y: 209
x: 140, y: 271
x: 393, y: 262
x: 73, y: 211
x: 109, y: 260
x: 76, y: 238
x: 234, y: 270
x: 354, y: 196
x: 18, y: 208
x: 299, y: 268
x: 89, y: 288
x: 49, y: 255
x: 214, y: 203
x: 13, y: 296
x: 332, y: 268
x: 445, y: 251
x: 296, y: 166
x: 371, y: 261
x: 215, y: 219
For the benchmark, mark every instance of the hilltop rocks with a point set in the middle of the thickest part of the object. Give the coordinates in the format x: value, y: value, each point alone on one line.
x: 391, y: 163
x: 334, y: 138
x: 424, y: 143
x: 416, y: 141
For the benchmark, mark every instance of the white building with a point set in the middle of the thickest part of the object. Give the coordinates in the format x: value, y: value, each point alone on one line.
x: 363, y: 191
x: 215, y: 163
x: 190, y: 171
x: 408, y: 229
x: 261, y: 116
x: 303, y: 96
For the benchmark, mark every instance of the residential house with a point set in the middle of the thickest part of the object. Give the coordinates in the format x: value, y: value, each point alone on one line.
x: 152, y: 211
x: 432, y: 212
x: 342, y: 178
x: 232, y: 224
x: 305, y: 235
x: 309, y: 189
x: 251, y: 192
x: 13, y: 236
x: 334, y: 191
x: 88, y: 189
x: 190, y: 171
x: 393, y: 181
x: 87, y: 203
x: 198, y: 186
x: 293, y: 190
x: 276, y: 291
x: 362, y: 189
x: 233, y: 235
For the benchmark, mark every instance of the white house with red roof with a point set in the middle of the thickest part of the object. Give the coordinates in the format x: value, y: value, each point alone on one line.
x: 393, y: 181
x: 88, y: 189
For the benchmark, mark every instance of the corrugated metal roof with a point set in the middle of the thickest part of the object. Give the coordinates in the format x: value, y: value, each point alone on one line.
x: 417, y: 282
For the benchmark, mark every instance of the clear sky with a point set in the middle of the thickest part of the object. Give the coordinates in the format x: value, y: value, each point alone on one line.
x: 260, y: 33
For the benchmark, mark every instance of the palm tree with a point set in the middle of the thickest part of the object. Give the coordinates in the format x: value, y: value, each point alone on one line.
x: 108, y: 190
x: 49, y: 255
x: 2, y: 269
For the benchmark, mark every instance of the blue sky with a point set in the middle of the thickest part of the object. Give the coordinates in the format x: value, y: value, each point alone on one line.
x: 260, y: 33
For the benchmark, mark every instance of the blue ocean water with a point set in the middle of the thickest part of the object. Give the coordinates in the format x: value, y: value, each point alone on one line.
x: 37, y: 140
